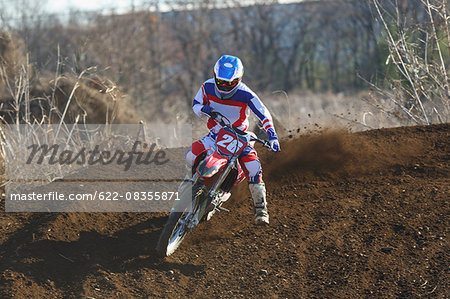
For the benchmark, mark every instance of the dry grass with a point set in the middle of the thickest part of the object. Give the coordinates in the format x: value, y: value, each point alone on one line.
x: 37, y: 109
x: 26, y: 96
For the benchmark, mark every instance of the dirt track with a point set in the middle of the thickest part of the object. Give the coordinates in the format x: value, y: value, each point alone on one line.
x: 352, y: 215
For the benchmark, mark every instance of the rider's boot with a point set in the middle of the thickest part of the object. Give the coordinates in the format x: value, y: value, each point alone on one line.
x: 187, y: 181
x: 184, y: 189
x: 183, y: 193
x: 258, y: 191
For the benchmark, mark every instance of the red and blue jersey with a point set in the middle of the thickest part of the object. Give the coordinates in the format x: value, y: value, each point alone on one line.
x: 236, y: 108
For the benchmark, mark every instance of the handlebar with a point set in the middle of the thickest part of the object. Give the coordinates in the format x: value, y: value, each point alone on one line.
x: 217, y: 116
x: 265, y: 143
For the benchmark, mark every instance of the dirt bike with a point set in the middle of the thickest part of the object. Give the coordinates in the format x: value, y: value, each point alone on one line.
x: 213, y: 176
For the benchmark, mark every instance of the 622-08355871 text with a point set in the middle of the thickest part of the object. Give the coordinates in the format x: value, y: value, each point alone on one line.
x: 150, y: 195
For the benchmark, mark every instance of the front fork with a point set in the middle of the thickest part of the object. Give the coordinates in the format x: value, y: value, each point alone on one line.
x: 212, y: 192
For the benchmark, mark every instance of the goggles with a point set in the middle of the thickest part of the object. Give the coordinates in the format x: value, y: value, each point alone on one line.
x: 226, y: 85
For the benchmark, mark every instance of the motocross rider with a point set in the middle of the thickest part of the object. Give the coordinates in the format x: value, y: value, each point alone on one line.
x: 228, y: 95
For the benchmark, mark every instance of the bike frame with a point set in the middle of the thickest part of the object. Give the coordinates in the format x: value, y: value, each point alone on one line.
x: 229, y: 145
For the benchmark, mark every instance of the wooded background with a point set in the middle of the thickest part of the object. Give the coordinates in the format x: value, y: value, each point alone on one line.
x: 159, y: 57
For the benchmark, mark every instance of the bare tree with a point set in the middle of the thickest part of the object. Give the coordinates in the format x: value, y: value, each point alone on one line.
x: 421, y: 89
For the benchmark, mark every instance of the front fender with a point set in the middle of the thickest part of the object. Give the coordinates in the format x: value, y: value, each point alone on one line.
x: 211, y: 165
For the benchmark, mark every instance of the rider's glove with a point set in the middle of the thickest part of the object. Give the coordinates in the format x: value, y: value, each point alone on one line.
x: 273, y: 139
x: 207, y: 109
x: 274, y: 145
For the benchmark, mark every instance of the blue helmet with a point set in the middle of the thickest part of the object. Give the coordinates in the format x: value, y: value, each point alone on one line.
x: 228, y: 73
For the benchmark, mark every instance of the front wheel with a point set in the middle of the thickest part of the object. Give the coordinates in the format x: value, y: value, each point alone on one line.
x: 173, y: 233
x: 177, y: 226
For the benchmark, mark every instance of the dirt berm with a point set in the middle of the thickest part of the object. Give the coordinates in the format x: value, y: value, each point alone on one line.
x: 352, y: 215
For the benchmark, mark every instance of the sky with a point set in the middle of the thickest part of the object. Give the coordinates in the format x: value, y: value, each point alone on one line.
x: 13, y: 9
x: 65, y: 5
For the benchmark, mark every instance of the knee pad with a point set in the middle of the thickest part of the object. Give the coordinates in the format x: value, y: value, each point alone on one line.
x: 253, y: 171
